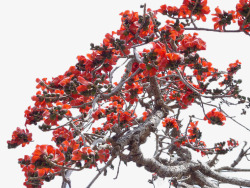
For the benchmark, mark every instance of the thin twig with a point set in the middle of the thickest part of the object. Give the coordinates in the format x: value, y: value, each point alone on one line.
x: 100, y: 172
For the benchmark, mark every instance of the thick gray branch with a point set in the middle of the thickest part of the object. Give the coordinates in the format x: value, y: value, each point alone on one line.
x: 205, y: 169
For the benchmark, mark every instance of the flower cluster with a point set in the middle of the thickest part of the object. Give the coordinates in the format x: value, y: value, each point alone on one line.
x: 193, y: 7
x: 20, y: 137
x: 170, y: 123
x: 168, y: 75
x: 61, y: 134
x: 223, y: 19
x: 194, y: 132
x: 215, y: 117
x: 192, y: 43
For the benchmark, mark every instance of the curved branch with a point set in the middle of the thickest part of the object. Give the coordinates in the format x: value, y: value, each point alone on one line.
x: 205, y: 169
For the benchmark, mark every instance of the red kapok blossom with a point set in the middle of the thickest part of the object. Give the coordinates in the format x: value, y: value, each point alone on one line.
x: 20, y: 136
x: 170, y: 123
x: 215, y: 117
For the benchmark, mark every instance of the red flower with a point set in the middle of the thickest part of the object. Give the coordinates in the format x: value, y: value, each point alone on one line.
x: 223, y: 19
x: 65, y: 81
x: 232, y: 143
x: 170, y: 123
x: 69, y: 146
x: 198, y: 9
x: 169, y: 60
x: 243, y: 7
x: 20, y: 136
x: 84, y: 153
x: 169, y: 10
x: 103, y: 155
x: 191, y: 43
x: 171, y: 30
x: 99, y: 113
x: 33, y: 115
x: 194, y: 132
x: 85, y: 84
x: 214, y: 117
x: 145, y: 115
x: 50, y: 153
x: 234, y: 67
x: 61, y: 134
x: 132, y: 92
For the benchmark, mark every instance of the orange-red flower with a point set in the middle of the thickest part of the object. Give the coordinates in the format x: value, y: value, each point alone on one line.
x: 50, y: 153
x: 191, y: 43
x: 20, y: 137
x: 198, y: 9
x: 215, y: 117
x: 82, y: 154
x: 223, y: 19
x: 170, y: 123
x: 194, y: 132
x: 169, y: 10
x: 232, y: 143
x: 234, y: 67
x: 61, y: 134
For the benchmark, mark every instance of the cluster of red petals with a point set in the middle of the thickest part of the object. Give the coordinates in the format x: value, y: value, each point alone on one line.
x: 97, y: 130
x: 187, y: 99
x: 169, y: 10
x: 49, y: 151
x: 116, y: 101
x: 125, y: 118
x: 232, y: 143
x: 145, y: 115
x: 56, y: 113
x: 83, y: 153
x: 203, y: 72
x: 37, y: 165
x: 234, y: 67
x: 29, y: 171
x: 33, y: 115
x: 171, y: 30
x: 215, y: 117
x: 170, y: 123
x: 180, y: 142
x: 84, y: 84
x: 223, y: 19
x: 129, y: 25
x: 202, y: 145
x: 242, y: 9
x: 99, y: 113
x: 61, y: 134
x: 133, y: 90
x: 103, y: 155
x: 193, y: 131
x: 192, y: 43
x: 19, y: 137
x: 89, y: 155
x: 193, y: 7
x: 69, y: 146
x: 41, y: 83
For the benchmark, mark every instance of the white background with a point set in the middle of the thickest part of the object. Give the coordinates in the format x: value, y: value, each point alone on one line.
x: 43, y: 38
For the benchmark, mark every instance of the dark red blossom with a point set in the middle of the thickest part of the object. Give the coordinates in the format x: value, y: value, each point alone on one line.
x: 61, y: 134
x: 42, y: 154
x: 20, y: 137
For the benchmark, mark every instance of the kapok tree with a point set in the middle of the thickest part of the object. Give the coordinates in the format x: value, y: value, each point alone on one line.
x: 95, y: 120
